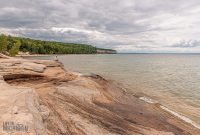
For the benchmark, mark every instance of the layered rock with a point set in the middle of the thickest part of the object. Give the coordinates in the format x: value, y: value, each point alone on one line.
x: 47, y: 99
x: 19, y: 110
x: 103, y: 51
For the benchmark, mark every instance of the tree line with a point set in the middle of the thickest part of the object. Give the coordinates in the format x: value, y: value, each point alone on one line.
x: 12, y: 45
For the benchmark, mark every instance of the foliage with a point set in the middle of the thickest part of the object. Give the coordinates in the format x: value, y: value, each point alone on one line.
x: 15, y: 44
x: 3, y: 43
x: 51, y: 47
x: 15, y: 48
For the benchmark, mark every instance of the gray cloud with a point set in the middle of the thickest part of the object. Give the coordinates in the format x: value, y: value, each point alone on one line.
x: 127, y: 26
x: 187, y: 44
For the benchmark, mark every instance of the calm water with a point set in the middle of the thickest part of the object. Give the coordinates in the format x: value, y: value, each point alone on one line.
x: 171, y: 79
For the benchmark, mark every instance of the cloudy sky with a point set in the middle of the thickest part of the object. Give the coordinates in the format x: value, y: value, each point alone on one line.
x: 124, y: 25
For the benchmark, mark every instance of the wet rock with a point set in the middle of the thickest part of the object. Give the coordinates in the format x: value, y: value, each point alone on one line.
x: 92, y: 75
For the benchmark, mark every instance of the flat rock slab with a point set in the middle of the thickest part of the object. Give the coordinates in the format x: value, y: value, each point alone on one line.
x: 19, y: 111
x: 33, y: 67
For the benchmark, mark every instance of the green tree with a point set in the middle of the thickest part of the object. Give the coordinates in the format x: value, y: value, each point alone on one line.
x: 44, y: 47
x: 15, y: 48
x: 3, y: 43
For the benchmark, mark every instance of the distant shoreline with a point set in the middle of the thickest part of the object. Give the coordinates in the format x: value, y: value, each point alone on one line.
x: 30, y: 55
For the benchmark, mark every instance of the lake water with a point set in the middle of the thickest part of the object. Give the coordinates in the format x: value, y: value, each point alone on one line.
x: 171, y: 79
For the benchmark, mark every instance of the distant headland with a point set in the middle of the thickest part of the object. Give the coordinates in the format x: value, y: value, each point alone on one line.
x: 12, y: 46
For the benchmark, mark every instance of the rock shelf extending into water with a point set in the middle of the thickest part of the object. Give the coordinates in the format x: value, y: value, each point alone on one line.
x: 41, y: 97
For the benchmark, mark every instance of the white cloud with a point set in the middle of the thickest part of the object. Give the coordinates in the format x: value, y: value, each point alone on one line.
x: 128, y: 26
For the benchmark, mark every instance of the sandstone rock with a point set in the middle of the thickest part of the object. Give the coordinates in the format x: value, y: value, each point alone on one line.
x: 33, y: 66
x: 59, y: 102
x: 32, y: 102
x: 44, y: 111
x: 28, y: 117
x: 4, y: 56
x: 1, y: 77
x: 15, y: 110
x: 48, y: 63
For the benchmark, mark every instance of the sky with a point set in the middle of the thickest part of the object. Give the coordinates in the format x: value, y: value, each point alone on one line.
x: 124, y: 25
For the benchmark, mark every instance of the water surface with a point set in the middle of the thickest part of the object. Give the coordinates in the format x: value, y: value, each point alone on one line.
x: 171, y: 79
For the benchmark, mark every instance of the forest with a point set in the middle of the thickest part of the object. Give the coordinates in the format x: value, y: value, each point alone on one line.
x: 12, y: 45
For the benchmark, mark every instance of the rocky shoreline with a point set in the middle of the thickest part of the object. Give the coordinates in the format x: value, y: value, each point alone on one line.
x: 39, y: 97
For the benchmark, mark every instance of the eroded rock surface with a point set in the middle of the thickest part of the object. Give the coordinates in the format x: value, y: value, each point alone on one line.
x: 19, y: 109
x: 46, y: 99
